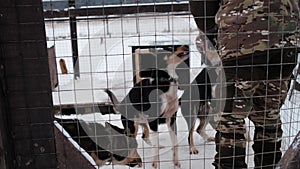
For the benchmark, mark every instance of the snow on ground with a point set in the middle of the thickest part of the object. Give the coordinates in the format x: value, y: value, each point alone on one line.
x: 105, y: 61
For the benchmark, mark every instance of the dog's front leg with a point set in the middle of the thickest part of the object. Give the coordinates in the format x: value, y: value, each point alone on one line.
x: 193, y: 149
x: 201, y: 129
x: 203, y: 115
x: 174, y: 143
x: 146, y: 134
x: 155, y: 147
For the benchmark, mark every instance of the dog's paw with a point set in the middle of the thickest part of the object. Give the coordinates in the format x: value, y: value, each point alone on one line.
x: 139, y: 165
x: 154, y: 164
x: 193, y: 150
x: 177, y: 164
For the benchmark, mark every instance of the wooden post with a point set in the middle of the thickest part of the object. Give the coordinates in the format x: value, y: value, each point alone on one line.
x: 73, y: 31
x: 52, y: 67
x: 295, y: 84
x: 26, y: 119
x: 6, y: 149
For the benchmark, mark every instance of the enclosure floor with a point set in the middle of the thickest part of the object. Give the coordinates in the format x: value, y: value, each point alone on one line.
x: 289, y: 113
x: 203, y: 160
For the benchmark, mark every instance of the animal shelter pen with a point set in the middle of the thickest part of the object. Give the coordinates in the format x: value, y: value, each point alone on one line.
x: 58, y: 56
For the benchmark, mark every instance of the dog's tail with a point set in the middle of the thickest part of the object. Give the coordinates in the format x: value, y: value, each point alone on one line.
x: 112, y: 97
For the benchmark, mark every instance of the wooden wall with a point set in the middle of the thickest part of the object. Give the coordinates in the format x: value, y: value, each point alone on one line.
x: 26, y: 107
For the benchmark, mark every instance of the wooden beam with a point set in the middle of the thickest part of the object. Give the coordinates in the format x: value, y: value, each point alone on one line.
x: 119, y: 10
x: 67, y: 155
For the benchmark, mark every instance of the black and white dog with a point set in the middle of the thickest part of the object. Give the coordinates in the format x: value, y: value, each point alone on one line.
x: 103, y: 141
x: 152, y: 101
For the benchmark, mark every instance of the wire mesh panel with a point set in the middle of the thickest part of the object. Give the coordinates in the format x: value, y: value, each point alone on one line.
x: 132, y: 84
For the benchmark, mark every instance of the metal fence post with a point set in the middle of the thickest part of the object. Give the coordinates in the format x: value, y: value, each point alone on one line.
x: 73, y: 32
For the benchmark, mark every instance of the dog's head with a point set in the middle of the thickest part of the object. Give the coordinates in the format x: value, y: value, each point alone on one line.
x: 177, y: 63
x: 105, y: 143
x: 178, y: 55
x: 153, y: 81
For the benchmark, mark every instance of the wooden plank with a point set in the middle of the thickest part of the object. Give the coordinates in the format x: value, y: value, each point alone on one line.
x: 7, y: 18
x: 119, y: 10
x: 67, y: 155
x: 86, y: 108
x: 5, y: 139
x: 291, y: 158
x: 52, y: 67
x: 295, y: 85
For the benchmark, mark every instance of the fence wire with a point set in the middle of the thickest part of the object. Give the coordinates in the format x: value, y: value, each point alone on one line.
x: 108, y: 43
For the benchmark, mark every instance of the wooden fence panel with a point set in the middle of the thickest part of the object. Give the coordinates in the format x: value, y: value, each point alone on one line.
x: 28, y: 88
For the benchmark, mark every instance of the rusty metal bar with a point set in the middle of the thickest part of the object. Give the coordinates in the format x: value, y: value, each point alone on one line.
x: 73, y: 32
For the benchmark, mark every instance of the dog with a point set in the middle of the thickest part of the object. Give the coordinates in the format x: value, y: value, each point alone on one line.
x: 196, y: 104
x: 141, y: 105
x: 106, y: 143
x: 195, y: 101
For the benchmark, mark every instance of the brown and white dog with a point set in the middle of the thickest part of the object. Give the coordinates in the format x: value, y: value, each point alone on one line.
x: 106, y: 143
x: 196, y: 105
x: 142, y: 106
x: 195, y: 101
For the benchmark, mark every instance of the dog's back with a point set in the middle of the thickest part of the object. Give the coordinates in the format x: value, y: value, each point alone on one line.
x: 203, y: 84
x: 199, y: 90
x: 145, y: 96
